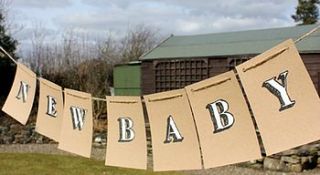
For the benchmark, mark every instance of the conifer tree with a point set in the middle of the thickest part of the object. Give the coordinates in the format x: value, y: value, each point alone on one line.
x: 307, y: 12
x: 7, y: 68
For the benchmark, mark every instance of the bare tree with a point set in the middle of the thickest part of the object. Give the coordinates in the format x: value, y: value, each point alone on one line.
x: 38, y: 52
x: 78, y: 47
x: 137, y: 41
x: 75, y: 60
x: 109, y: 51
x: 12, y: 27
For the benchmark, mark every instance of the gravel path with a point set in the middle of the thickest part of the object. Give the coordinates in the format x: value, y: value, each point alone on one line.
x: 230, y: 170
x: 99, y: 154
x: 96, y: 153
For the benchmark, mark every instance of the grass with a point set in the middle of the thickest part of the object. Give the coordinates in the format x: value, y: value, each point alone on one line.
x: 44, y: 164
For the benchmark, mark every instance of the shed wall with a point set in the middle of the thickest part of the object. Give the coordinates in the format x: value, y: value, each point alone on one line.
x: 312, y: 63
x: 155, y: 72
x: 147, y: 77
x: 127, y: 80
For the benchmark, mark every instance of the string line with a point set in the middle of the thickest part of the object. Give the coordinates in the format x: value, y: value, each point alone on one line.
x: 49, y: 86
x: 77, y: 96
x: 98, y: 99
x: 179, y: 95
x: 31, y: 74
x: 265, y: 60
x: 282, y: 50
x: 124, y: 101
x: 211, y: 85
x: 164, y: 98
x: 307, y: 34
x: 5, y: 52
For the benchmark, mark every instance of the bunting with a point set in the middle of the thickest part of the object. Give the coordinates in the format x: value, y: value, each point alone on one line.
x: 207, y: 124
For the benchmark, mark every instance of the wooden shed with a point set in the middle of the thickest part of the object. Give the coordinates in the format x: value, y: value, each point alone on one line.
x: 126, y: 79
x: 182, y: 60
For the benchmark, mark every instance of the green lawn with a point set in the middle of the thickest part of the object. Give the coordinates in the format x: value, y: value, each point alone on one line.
x: 42, y: 164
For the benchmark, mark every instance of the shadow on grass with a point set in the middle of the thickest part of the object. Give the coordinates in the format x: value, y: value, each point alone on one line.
x: 44, y: 164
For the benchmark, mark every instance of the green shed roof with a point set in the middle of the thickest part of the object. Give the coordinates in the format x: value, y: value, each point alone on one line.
x: 233, y: 43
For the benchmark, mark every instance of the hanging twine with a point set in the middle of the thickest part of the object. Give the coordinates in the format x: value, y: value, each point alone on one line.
x: 307, y: 34
x: 165, y: 98
x: 266, y: 60
x: 282, y: 50
x: 211, y: 85
x: 179, y: 95
x: 6, y: 53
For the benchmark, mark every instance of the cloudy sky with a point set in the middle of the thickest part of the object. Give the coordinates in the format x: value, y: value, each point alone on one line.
x: 179, y: 17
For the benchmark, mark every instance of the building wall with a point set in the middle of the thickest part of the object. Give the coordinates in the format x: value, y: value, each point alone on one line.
x: 218, y: 66
x: 312, y: 63
x: 161, y: 70
x: 126, y: 79
x: 164, y: 75
x: 147, y: 77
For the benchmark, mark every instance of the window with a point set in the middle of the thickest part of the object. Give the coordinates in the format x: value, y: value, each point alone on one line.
x: 234, y: 61
x: 177, y: 74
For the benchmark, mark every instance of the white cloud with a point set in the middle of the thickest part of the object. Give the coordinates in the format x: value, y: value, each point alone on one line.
x: 98, y: 17
x: 188, y: 26
x: 191, y: 17
x: 42, y: 3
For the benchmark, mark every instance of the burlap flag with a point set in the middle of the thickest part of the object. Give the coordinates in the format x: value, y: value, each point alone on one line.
x: 77, y: 127
x: 226, y: 131
x: 50, y: 110
x: 174, y: 138
x: 126, y: 144
x: 20, y: 100
x: 282, y: 97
